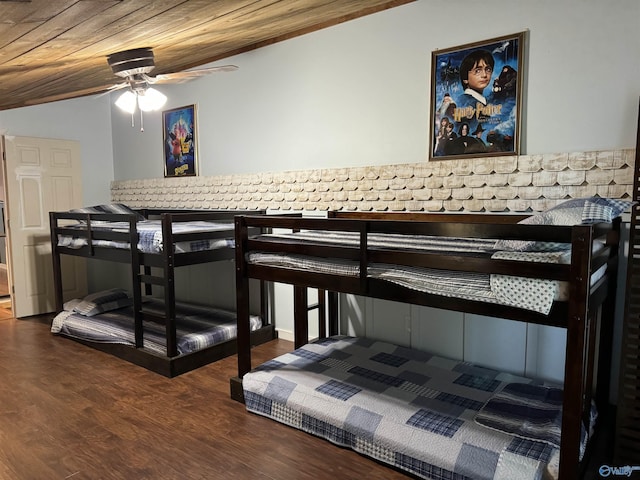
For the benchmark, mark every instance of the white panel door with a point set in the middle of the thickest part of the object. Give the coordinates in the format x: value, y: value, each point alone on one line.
x: 42, y: 175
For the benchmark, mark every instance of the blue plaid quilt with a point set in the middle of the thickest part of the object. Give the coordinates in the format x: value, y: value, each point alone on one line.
x: 403, y: 407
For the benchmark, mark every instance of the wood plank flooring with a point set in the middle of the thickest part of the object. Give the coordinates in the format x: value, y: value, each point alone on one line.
x: 5, y: 311
x: 70, y: 412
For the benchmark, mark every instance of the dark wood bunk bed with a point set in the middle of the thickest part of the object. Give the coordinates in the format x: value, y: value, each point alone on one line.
x: 589, y: 334
x: 91, y: 235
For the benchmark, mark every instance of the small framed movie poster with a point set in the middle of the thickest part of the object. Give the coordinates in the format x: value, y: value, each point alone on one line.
x: 180, y: 147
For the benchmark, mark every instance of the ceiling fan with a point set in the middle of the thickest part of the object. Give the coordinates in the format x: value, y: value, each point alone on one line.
x: 135, y: 67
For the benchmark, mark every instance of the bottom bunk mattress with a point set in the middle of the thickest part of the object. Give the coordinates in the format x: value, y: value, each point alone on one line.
x: 197, y: 327
x: 434, y: 417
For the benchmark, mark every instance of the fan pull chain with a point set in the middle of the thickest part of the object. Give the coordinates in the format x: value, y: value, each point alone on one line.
x: 141, y: 122
x: 132, y: 123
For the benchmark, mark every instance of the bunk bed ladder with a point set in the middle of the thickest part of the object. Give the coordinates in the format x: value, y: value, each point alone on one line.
x: 166, y: 281
x: 627, y: 441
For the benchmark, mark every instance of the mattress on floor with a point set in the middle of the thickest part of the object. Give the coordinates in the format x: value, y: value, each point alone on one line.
x: 197, y: 327
x: 434, y: 417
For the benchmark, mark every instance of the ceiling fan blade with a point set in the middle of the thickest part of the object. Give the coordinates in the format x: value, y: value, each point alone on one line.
x: 117, y: 86
x: 114, y: 88
x: 181, y: 77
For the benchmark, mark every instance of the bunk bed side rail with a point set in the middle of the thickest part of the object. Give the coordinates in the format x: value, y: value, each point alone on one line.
x: 430, y: 217
x: 444, y: 228
x: 198, y: 214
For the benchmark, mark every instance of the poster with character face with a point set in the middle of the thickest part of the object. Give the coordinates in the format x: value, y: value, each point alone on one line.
x: 179, y: 137
x: 476, y: 95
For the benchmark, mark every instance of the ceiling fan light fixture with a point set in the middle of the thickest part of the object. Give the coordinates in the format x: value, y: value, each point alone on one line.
x: 151, y: 99
x: 135, y: 65
x: 127, y: 102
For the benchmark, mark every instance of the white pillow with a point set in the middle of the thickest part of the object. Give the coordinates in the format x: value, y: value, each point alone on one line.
x: 71, y: 304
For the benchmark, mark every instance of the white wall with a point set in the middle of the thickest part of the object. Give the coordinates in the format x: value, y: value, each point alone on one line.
x: 358, y: 93
x: 86, y: 120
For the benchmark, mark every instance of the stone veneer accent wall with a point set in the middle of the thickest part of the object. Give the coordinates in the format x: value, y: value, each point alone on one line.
x: 495, y: 184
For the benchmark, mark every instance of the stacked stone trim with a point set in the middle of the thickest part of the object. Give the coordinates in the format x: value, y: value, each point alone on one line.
x: 495, y: 184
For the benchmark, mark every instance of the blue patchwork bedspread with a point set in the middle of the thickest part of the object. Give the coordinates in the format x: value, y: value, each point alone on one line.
x: 406, y: 408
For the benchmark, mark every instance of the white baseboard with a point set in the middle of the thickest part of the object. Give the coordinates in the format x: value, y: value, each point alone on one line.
x: 285, y: 335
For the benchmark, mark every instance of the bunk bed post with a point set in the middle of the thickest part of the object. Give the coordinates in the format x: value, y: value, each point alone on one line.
x: 332, y: 297
x: 333, y: 312
x: 135, y: 283
x: 300, y: 316
x: 57, y: 270
x: 591, y: 333
x: 574, y: 373
x: 264, y: 306
x: 242, y: 297
x: 322, y: 313
x: 364, y: 255
x: 169, y: 284
x: 607, y: 318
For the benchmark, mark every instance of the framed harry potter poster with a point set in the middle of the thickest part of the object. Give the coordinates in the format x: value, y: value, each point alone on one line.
x: 476, y: 99
x: 179, y: 137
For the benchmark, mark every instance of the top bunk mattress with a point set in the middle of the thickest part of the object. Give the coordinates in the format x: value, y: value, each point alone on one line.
x: 150, y: 236
x: 535, y: 294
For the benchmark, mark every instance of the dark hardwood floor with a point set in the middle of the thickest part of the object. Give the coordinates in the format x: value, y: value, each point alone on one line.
x: 70, y: 412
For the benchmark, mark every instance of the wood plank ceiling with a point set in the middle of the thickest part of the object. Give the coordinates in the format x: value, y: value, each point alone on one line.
x: 55, y: 50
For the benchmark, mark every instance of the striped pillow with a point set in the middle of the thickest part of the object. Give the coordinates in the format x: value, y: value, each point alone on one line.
x: 103, y: 301
x: 603, y: 209
x: 571, y: 212
x: 108, y: 208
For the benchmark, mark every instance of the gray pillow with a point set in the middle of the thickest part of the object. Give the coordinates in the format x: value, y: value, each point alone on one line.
x: 103, y: 301
x: 572, y: 212
x: 109, y: 208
